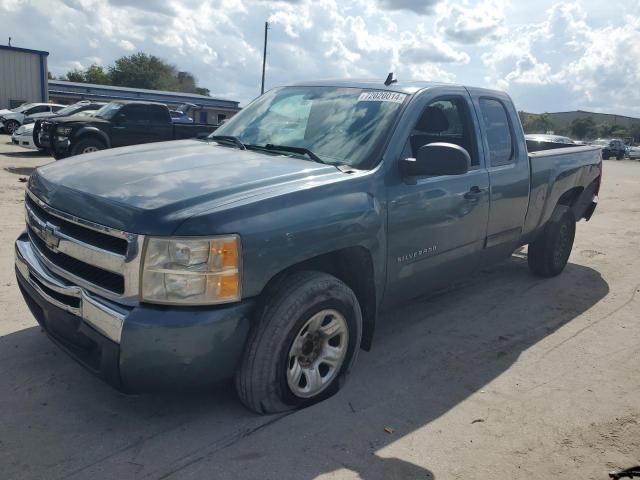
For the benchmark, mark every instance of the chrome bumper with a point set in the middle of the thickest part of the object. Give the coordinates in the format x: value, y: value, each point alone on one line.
x: 103, y: 316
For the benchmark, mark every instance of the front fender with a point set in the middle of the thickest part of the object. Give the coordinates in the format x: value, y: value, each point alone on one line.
x: 88, y: 131
x: 287, y: 229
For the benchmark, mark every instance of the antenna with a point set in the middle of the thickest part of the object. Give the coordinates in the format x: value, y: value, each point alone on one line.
x: 264, y: 55
x: 390, y: 79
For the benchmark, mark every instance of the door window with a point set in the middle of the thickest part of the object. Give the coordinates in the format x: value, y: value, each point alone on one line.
x: 158, y: 114
x: 135, y: 114
x: 37, y: 109
x: 498, y: 132
x: 445, y: 120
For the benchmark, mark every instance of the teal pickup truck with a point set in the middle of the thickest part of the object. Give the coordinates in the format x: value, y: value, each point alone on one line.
x: 266, y: 251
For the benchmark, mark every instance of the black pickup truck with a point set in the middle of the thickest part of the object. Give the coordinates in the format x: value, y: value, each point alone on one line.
x: 117, y: 124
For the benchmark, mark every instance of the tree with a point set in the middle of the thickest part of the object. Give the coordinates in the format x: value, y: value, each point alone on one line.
x: 75, y: 75
x: 143, y: 71
x: 139, y: 70
x: 606, y: 130
x: 537, y: 123
x: 583, y: 128
x: 97, y: 74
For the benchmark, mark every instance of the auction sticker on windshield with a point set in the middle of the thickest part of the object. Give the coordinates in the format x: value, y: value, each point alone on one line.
x: 394, y: 97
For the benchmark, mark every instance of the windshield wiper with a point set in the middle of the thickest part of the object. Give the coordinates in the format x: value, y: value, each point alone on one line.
x: 298, y: 150
x: 229, y: 138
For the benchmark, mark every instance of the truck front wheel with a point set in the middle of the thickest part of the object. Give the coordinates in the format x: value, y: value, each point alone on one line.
x: 88, y: 145
x: 549, y: 253
x: 305, y: 340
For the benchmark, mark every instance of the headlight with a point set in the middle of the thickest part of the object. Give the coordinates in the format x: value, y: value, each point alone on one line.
x: 64, y: 131
x: 192, y: 271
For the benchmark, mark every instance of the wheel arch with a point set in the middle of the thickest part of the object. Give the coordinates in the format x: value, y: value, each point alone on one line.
x: 88, y: 132
x: 354, y: 267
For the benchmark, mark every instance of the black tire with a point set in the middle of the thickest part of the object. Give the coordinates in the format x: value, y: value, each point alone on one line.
x: 549, y: 253
x: 87, y: 145
x: 59, y: 155
x: 619, y: 157
x: 261, y: 380
x: 11, y: 126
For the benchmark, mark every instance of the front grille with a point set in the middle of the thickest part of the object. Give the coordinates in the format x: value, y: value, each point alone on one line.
x: 86, y: 235
x: 100, y: 259
x: 97, y: 276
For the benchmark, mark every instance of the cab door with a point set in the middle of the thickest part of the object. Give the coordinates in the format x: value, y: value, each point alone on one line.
x: 509, y: 173
x: 130, y: 126
x: 436, y: 225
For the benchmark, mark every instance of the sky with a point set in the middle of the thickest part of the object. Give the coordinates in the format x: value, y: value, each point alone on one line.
x: 548, y: 55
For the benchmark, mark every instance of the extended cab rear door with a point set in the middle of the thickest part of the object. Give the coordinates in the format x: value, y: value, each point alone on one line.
x: 507, y: 162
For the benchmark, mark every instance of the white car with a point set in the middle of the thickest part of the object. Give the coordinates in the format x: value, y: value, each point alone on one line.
x: 23, y: 136
x: 633, y: 153
x: 11, y: 121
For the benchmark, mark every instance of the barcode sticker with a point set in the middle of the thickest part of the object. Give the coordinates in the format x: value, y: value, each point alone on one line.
x: 394, y: 97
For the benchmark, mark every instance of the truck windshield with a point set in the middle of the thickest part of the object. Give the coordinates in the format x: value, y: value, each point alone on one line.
x: 340, y: 125
x: 70, y: 109
x: 108, y: 111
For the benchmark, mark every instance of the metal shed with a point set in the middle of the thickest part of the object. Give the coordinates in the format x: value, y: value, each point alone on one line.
x: 23, y: 76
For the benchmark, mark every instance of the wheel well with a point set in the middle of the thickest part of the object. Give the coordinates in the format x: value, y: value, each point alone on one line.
x: 90, y: 136
x: 570, y: 197
x: 354, y: 266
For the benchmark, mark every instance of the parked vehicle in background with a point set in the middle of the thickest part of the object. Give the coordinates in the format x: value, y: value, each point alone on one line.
x: 11, y: 121
x: 633, y: 152
x: 611, y: 148
x: 23, y: 137
x: 117, y: 124
x: 72, y: 109
x: 180, y: 117
x: 267, y: 250
x: 19, y: 108
x: 26, y: 136
x: 538, y: 137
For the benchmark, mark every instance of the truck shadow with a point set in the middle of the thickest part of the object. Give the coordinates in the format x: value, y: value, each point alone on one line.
x: 428, y: 357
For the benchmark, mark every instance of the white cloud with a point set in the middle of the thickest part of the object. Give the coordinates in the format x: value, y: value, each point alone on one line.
x: 421, y: 7
x: 578, y: 54
x: 470, y: 25
x: 600, y: 66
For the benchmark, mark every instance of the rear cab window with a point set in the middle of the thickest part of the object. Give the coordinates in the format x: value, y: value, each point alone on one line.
x: 498, y: 132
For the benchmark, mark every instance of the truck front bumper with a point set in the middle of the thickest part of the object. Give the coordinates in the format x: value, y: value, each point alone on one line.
x: 135, y: 349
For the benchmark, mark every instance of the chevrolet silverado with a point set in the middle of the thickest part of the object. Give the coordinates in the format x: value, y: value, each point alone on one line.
x: 266, y: 251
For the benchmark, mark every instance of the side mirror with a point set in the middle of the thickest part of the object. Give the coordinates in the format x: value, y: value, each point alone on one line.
x: 436, y: 159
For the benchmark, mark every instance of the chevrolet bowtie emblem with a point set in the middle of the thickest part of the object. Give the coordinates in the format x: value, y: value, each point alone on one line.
x: 50, y: 237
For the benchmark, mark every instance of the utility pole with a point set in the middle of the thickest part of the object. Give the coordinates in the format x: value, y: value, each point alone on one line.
x: 264, y: 56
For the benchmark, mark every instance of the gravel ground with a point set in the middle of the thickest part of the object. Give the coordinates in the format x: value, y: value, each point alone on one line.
x: 506, y: 376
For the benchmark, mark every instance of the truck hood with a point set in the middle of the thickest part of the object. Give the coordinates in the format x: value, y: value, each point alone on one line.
x: 77, y: 118
x: 153, y: 188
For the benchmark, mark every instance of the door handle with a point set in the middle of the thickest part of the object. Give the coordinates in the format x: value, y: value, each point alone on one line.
x: 118, y: 128
x: 473, y: 193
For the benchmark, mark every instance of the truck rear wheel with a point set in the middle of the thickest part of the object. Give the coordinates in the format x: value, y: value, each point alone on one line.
x: 305, y: 340
x: 88, y: 145
x: 549, y: 253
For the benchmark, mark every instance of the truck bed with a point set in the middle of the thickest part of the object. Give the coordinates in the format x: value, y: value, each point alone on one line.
x: 561, y: 171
